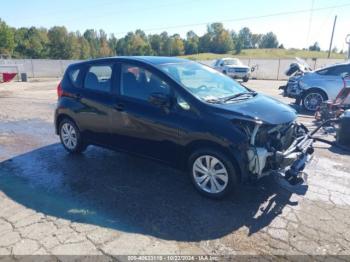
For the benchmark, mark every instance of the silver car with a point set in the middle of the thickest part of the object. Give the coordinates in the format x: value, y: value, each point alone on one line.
x: 234, y: 68
x: 312, y: 88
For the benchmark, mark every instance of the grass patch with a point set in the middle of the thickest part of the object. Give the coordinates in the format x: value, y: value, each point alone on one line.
x: 267, y: 54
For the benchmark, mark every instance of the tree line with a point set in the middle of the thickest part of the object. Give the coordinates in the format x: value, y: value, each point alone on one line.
x: 58, y: 43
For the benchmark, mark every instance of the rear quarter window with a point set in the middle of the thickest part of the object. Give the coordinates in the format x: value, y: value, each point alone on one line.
x: 74, y: 75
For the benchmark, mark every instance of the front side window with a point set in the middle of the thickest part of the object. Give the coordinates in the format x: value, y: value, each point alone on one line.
x: 99, y: 78
x: 202, y: 81
x: 139, y: 83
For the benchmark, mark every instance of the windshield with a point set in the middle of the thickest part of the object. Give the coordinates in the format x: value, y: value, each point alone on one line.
x: 203, y: 82
x: 232, y: 62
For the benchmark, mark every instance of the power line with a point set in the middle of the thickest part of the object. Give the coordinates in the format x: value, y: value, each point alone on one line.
x: 241, y: 19
x: 310, y: 22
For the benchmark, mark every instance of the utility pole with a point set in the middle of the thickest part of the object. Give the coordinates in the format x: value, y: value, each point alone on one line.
x: 330, y: 45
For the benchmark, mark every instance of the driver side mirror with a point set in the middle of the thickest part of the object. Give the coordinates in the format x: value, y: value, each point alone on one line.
x: 160, y: 100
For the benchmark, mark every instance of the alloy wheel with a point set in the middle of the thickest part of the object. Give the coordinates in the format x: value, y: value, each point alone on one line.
x: 312, y: 101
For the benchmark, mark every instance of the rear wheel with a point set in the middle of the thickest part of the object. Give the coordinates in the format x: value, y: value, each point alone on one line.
x: 312, y: 99
x: 71, y: 137
x: 212, y: 173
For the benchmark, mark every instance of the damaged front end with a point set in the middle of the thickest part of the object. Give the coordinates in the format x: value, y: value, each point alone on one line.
x: 283, y: 148
x: 292, y: 89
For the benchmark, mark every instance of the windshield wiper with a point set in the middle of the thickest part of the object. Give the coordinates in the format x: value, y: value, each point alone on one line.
x: 213, y: 100
x: 229, y: 98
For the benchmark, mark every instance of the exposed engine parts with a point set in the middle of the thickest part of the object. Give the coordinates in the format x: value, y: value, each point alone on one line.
x: 282, y: 148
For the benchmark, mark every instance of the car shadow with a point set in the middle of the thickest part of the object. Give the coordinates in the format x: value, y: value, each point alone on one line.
x: 301, y: 110
x: 131, y: 194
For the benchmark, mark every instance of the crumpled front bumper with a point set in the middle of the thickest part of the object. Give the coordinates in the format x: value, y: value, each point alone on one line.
x: 290, y: 162
x: 292, y: 89
x: 293, y: 160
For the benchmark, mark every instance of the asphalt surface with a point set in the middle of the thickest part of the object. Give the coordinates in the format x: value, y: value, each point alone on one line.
x: 104, y: 202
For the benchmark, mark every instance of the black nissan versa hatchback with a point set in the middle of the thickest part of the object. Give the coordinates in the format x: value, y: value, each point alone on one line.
x: 182, y: 113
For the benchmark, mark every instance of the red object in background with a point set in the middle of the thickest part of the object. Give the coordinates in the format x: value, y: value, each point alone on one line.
x: 7, y: 77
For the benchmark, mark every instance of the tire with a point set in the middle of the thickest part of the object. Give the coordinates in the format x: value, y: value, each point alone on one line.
x: 224, y: 72
x: 225, y: 181
x: 312, y: 99
x: 245, y: 79
x: 70, y: 137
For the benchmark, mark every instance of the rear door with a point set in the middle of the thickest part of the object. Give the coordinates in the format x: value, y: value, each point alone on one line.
x: 331, y: 79
x: 96, y: 100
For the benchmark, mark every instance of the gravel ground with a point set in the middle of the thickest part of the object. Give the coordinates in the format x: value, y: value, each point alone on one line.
x: 110, y: 203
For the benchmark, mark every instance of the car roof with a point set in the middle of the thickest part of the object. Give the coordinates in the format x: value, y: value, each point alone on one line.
x: 330, y: 66
x: 154, y: 60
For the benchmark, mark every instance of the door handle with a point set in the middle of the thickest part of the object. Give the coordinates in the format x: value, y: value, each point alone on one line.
x: 119, y: 107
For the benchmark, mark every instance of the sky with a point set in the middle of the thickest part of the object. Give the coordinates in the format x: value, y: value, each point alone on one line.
x: 295, y: 25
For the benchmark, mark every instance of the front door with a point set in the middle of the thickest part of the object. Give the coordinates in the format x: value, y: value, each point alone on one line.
x: 138, y: 125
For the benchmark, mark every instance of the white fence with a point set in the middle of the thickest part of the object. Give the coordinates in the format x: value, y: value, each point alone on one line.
x: 272, y: 69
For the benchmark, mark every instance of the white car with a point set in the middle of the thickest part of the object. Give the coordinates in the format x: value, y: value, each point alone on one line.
x: 234, y: 68
x: 311, y: 88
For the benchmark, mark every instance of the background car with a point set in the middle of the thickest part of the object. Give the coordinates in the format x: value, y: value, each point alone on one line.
x: 312, y: 88
x: 234, y: 68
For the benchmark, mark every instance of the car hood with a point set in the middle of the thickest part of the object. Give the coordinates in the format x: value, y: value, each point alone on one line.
x: 259, y: 107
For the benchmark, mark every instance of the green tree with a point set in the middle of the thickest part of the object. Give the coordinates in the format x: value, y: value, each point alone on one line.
x: 7, y: 39
x: 156, y: 43
x: 32, y: 43
x: 104, y: 49
x: 269, y: 40
x: 315, y: 47
x: 256, y: 40
x: 191, y: 43
x: 73, y: 49
x: 112, y: 43
x: 166, y: 44
x: 216, y: 40
x: 92, y: 37
x: 245, y: 36
x: 85, y: 51
x: 205, y: 43
x: 177, y: 45
x: 134, y: 44
x: 59, y: 43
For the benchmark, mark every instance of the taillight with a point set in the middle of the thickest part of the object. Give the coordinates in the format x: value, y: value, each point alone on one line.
x: 59, y: 90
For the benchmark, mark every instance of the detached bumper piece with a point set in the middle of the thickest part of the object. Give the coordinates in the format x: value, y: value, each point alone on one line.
x: 295, y: 158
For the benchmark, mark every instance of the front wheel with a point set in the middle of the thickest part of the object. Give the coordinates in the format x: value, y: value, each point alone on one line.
x: 70, y: 137
x: 245, y: 79
x: 313, y: 99
x: 212, y: 173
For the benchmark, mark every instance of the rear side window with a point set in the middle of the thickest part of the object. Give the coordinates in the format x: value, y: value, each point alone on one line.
x: 334, y: 71
x: 74, y: 76
x: 98, y: 78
